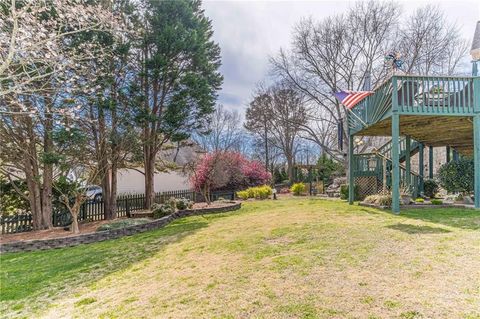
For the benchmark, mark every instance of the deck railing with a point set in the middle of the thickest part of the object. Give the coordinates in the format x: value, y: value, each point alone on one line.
x: 373, y: 108
x: 386, y: 149
x: 416, y: 95
x: 436, y: 95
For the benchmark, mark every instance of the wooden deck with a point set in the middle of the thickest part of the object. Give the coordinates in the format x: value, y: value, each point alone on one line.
x: 431, y: 110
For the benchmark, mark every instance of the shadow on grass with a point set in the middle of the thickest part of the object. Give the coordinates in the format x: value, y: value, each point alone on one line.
x: 414, y: 229
x: 453, y: 217
x: 28, y: 277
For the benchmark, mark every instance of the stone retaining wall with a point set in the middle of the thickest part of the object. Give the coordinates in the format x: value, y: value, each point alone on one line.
x: 42, y: 244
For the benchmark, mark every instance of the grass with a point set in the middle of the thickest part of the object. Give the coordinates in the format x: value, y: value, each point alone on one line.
x: 291, y: 258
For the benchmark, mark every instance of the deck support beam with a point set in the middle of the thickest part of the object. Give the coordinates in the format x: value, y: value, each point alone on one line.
x: 476, y: 140
x: 395, y: 163
x: 430, y: 162
x: 421, y: 168
x: 476, y: 158
x: 408, y: 161
x: 395, y: 150
x: 351, y: 177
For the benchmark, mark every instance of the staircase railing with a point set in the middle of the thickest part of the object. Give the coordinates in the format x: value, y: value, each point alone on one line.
x: 372, y: 164
x: 386, y: 149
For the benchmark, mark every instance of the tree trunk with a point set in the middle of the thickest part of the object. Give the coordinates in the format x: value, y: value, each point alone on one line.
x: 113, y: 191
x: 74, y: 211
x: 206, y: 194
x: 47, y: 206
x: 106, y: 194
x: 47, y: 174
x: 265, y: 133
x: 290, y: 168
x: 149, y: 180
x: 33, y: 196
x: 115, y: 155
x: 33, y: 178
x: 75, y: 228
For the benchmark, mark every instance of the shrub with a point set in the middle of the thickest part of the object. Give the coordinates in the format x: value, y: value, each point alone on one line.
x: 161, y: 210
x: 284, y: 190
x: 184, y: 203
x: 384, y: 200
x: 430, y: 188
x: 372, y: 199
x: 329, y: 169
x: 344, y: 192
x: 380, y: 200
x: 419, y: 200
x: 457, y: 176
x: 436, y: 202
x: 227, y: 170
x: 259, y: 192
x: 298, y: 188
x: 242, y: 195
x: 250, y: 192
x: 172, y: 202
x: 262, y: 192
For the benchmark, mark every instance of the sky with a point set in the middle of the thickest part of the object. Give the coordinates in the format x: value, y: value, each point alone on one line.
x: 249, y: 32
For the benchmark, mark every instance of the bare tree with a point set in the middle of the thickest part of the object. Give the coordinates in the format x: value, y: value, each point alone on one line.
x: 336, y: 53
x: 223, y: 131
x: 430, y: 44
x: 339, y: 52
x: 258, y: 116
x: 276, y: 115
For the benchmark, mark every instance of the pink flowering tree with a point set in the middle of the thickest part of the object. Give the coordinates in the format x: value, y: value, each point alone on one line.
x: 255, y: 173
x: 226, y: 170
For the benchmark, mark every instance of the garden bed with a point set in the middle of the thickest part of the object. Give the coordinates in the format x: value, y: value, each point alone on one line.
x: 414, y: 206
x: 58, y: 237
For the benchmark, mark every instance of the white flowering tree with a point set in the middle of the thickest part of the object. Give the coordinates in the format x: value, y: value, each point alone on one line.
x: 45, y: 56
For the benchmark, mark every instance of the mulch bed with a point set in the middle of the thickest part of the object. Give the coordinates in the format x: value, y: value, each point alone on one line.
x: 85, y: 228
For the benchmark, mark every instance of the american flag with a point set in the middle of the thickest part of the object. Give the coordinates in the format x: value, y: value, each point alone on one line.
x: 351, y: 98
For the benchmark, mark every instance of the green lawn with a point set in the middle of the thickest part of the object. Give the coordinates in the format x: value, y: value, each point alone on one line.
x: 291, y: 258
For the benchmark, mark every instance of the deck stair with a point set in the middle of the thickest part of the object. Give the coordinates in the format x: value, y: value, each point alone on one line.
x: 370, y: 167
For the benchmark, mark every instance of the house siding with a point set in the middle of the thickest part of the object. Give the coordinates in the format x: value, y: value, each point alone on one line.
x: 133, y: 181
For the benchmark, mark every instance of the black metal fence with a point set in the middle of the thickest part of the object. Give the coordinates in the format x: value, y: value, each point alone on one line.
x: 94, y: 210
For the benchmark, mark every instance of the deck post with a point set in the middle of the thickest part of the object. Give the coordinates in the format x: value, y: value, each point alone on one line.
x: 476, y: 140
x: 408, y: 165
x: 395, y: 149
x: 430, y: 162
x: 476, y: 157
x: 351, y: 177
x: 447, y: 150
x: 421, y: 168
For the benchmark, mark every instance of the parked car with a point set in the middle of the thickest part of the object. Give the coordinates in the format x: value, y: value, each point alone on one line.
x: 93, y: 192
